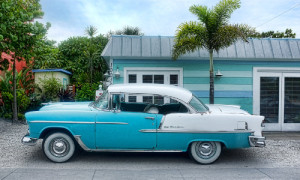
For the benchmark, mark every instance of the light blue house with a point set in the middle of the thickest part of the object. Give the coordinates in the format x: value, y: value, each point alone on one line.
x: 262, y: 76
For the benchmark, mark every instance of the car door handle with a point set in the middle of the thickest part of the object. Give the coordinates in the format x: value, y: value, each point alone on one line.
x: 151, y: 118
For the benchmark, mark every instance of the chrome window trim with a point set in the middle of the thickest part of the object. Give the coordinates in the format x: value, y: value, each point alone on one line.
x: 187, y: 105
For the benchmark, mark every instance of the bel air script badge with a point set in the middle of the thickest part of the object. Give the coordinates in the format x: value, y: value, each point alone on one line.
x: 173, y: 127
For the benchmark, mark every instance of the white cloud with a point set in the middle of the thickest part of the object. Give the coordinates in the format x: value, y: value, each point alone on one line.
x: 162, y: 17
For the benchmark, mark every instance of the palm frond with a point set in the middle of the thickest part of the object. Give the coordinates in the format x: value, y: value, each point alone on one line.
x: 91, y: 31
x: 189, y: 37
x: 202, y: 12
x: 223, y: 10
x: 226, y: 35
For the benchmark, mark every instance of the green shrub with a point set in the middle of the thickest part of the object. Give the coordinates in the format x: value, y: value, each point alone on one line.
x: 50, y: 89
x: 23, y: 104
x: 7, y: 99
x: 23, y: 101
x: 86, y: 92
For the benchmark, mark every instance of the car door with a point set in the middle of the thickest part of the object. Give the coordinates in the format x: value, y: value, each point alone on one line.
x: 123, y: 130
x: 116, y: 129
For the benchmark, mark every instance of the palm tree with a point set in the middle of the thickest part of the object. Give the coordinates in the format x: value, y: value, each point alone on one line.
x: 91, y: 31
x: 91, y: 53
x: 212, y: 32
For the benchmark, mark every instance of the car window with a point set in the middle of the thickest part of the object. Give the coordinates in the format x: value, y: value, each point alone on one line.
x: 144, y: 102
x: 102, y: 102
x: 117, y: 99
x: 198, y: 105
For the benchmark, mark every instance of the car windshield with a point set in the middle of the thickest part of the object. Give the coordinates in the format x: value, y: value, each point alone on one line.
x: 198, y: 105
x: 102, y: 102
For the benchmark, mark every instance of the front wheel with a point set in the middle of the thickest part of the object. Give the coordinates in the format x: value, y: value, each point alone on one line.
x: 58, y: 147
x: 205, y: 152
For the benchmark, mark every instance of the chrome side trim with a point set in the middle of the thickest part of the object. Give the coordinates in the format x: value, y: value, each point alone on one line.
x: 162, y: 121
x: 133, y: 150
x: 84, y: 147
x: 81, y: 144
x: 111, y: 123
x: 77, y: 122
x: 186, y: 131
x: 63, y: 122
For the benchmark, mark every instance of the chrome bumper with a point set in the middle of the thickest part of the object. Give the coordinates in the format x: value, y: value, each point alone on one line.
x: 257, y: 141
x: 26, y: 140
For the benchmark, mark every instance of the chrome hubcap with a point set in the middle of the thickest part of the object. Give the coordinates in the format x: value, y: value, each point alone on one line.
x: 59, y: 147
x: 205, y: 150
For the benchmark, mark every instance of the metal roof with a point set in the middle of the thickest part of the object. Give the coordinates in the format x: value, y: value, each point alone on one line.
x: 52, y: 70
x: 160, y: 47
x: 159, y: 89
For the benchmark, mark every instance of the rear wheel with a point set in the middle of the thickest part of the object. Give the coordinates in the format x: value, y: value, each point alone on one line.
x: 58, y: 147
x: 205, y: 152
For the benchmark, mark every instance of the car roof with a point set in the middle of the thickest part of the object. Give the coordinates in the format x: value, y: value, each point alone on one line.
x: 158, y: 89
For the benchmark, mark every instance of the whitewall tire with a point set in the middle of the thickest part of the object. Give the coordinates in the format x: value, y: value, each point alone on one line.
x: 205, y: 152
x: 58, y: 147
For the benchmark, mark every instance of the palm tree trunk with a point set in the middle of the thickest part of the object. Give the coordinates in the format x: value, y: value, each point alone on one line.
x: 15, y: 107
x: 211, y: 78
x: 91, y: 69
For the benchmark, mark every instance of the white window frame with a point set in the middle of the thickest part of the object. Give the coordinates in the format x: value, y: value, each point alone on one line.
x: 166, y: 71
x: 274, y: 72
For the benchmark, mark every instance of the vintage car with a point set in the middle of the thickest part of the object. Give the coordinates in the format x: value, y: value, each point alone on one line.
x: 146, y: 118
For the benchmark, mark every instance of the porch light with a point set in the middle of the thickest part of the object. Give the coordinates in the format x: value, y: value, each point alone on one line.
x: 107, y: 74
x: 117, y: 73
x: 219, y: 74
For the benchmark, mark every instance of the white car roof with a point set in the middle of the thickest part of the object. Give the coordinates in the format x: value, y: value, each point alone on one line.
x: 158, y: 89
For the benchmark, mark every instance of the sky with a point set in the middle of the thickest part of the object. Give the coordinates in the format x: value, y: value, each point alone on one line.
x: 70, y: 18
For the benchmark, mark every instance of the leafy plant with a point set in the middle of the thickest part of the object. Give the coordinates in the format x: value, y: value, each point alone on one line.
x: 23, y: 103
x: 25, y: 88
x: 66, y: 95
x: 50, y: 88
x: 24, y: 81
x: 86, y: 92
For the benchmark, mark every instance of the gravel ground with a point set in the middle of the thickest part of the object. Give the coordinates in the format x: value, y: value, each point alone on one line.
x: 282, y: 151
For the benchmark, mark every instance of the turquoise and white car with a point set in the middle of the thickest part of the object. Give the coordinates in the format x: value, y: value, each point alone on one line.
x: 147, y: 118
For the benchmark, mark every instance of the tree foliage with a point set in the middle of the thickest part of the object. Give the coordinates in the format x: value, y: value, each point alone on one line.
x: 127, y: 30
x: 76, y: 52
x: 212, y: 32
x: 47, y: 56
x: 288, y: 33
x: 19, y: 34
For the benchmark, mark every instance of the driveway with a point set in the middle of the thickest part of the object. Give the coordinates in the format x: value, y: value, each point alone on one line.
x: 280, y: 159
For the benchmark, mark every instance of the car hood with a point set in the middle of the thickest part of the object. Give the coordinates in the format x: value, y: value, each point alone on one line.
x: 67, y: 106
x: 225, y: 109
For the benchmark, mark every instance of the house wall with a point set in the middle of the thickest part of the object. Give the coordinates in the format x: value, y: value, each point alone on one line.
x: 19, y: 64
x: 234, y: 87
x: 59, y: 75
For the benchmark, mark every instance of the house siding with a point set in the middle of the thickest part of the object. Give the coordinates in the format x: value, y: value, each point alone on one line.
x: 40, y: 76
x: 234, y: 87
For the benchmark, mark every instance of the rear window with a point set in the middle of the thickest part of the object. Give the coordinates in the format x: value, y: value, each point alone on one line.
x: 198, y: 105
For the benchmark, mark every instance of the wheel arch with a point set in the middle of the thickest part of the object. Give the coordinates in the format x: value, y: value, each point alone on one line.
x: 223, y: 143
x: 50, y: 130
